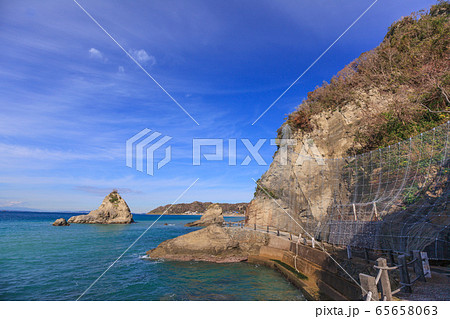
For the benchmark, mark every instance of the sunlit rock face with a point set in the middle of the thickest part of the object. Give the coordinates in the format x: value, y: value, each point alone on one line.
x: 113, y: 210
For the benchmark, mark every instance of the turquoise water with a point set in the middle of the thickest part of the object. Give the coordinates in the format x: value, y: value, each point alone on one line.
x: 41, y: 262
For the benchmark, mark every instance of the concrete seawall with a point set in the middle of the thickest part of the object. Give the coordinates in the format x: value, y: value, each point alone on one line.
x: 310, y: 269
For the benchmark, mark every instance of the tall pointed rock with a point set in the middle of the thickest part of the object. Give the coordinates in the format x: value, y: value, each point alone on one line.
x: 113, y: 210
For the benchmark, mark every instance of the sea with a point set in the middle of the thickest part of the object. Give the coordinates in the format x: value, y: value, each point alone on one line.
x: 39, y: 261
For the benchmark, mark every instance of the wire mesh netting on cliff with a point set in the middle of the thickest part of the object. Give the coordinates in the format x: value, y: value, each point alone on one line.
x: 395, y: 198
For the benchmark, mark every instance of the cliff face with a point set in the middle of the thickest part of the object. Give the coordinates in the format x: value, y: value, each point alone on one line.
x: 113, y: 210
x: 305, y: 178
x: 305, y: 171
x: 389, y: 94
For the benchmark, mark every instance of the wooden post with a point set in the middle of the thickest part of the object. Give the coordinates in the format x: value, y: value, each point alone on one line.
x: 299, y: 238
x: 278, y: 232
x: 404, y: 275
x: 354, y: 212
x: 267, y: 228
x: 384, y: 279
x: 290, y: 236
x: 368, y: 285
x: 312, y: 242
x: 418, y: 268
x: 255, y: 226
x: 349, y: 253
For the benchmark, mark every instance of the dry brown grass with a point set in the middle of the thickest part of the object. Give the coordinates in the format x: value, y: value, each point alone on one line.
x: 412, y: 65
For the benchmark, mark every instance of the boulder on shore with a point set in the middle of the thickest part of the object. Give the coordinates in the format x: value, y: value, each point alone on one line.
x: 212, y: 216
x: 61, y: 222
x: 213, y: 243
x: 113, y: 210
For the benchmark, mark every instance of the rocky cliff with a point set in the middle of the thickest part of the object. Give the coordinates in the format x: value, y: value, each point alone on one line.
x: 113, y: 210
x: 389, y: 94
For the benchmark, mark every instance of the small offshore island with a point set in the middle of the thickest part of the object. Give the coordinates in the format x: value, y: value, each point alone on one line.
x: 113, y: 210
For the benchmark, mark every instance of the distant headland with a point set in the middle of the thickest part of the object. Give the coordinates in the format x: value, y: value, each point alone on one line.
x: 198, y: 208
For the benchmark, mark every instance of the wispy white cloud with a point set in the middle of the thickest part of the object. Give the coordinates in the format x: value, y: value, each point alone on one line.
x: 14, y: 151
x: 143, y: 57
x: 104, y: 190
x: 97, y: 55
x: 9, y: 203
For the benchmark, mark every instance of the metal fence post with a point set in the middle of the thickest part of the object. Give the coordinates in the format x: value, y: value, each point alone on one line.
x: 391, y: 257
x: 418, y: 267
x: 366, y: 255
x: 349, y: 252
x: 404, y: 275
x: 425, y: 264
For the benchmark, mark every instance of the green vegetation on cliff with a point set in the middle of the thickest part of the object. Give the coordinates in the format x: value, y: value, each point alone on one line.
x: 411, y: 66
x: 199, y: 207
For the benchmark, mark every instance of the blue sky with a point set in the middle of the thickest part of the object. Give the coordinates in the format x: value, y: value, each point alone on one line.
x: 70, y: 97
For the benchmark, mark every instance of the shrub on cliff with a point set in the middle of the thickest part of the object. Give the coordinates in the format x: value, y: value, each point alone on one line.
x: 412, y: 64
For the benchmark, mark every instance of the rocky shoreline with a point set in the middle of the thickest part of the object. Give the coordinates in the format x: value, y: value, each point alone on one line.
x: 213, y: 243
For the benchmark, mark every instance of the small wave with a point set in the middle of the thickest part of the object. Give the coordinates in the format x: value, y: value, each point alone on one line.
x: 144, y: 257
x: 154, y: 261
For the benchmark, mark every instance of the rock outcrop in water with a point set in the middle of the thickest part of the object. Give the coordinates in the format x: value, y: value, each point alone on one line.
x: 113, y: 210
x: 212, y: 216
x: 213, y: 243
x: 61, y: 222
